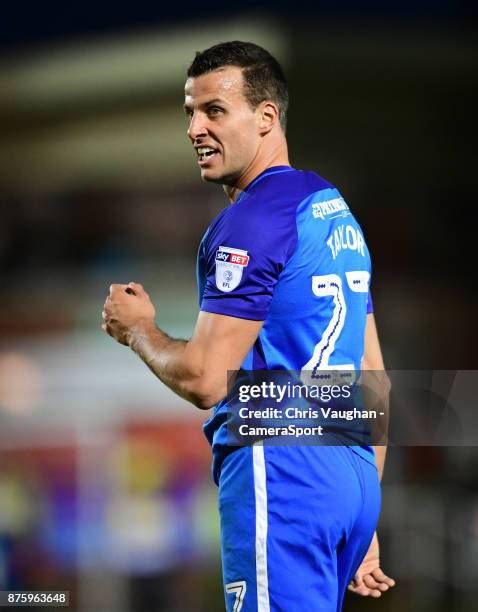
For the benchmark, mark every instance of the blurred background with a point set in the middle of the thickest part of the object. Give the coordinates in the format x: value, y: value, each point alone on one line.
x: 105, y: 488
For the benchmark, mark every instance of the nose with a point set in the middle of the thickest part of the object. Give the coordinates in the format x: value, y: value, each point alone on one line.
x: 197, y: 126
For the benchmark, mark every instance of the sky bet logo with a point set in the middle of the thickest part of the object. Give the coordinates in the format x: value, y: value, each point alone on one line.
x: 233, y: 256
x: 230, y: 264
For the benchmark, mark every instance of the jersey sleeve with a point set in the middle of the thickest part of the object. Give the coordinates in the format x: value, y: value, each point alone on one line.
x: 369, y: 303
x: 245, y: 254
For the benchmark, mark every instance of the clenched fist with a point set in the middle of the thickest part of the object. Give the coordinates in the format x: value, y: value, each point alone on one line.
x: 126, y: 309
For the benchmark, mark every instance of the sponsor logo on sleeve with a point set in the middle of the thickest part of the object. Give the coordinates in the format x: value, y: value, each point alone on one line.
x: 331, y: 209
x: 229, y: 266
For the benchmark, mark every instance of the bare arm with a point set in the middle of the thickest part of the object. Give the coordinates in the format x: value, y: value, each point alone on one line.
x: 197, y: 368
x: 370, y: 580
x: 376, y: 380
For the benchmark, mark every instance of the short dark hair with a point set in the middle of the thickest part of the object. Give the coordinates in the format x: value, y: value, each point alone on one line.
x: 263, y: 75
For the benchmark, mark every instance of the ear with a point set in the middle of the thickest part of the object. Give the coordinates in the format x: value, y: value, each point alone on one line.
x: 268, y: 116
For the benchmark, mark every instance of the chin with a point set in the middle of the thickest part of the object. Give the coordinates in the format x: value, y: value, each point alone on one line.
x: 209, y: 176
x: 220, y: 175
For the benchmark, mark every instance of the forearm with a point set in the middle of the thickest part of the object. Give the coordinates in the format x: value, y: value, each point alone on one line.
x: 380, y: 454
x: 382, y: 407
x: 376, y: 394
x: 376, y: 388
x: 196, y: 369
x: 169, y: 359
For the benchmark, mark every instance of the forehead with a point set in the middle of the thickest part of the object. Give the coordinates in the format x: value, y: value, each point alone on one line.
x: 225, y: 83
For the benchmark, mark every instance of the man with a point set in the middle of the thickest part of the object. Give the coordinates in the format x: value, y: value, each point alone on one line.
x: 284, y: 285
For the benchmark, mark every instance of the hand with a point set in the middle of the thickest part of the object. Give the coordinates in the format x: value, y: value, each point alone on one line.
x: 369, y: 580
x: 126, y: 308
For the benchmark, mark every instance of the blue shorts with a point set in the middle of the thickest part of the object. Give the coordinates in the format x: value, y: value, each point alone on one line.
x: 296, y: 522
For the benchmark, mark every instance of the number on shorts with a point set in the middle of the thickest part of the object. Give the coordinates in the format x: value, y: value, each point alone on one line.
x: 239, y: 588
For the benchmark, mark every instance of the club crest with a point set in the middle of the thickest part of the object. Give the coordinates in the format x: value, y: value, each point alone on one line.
x: 229, y: 266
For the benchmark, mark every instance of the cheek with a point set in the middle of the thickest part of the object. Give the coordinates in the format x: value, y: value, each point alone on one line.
x: 242, y: 140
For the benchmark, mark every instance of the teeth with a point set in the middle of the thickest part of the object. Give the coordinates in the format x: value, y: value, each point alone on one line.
x: 204, y: 150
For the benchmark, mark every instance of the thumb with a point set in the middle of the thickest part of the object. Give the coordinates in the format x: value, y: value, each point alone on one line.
x: 133, y: 288
x: 357, y: 579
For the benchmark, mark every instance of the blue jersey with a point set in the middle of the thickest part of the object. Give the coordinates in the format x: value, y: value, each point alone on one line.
x: 290, y: 253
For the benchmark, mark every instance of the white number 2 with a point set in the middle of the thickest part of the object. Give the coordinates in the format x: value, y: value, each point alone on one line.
x: 331, y: 285
x: 239, y: 588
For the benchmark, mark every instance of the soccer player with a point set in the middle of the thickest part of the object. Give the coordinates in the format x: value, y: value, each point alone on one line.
x: 284, y: 276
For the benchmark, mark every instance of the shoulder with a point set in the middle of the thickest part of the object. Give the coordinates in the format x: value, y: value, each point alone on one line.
x: 290, y: 186
x: 266, y: 214
x: 277, y: 196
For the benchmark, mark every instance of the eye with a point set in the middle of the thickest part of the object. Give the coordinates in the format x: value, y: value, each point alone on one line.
x: 214, y: 111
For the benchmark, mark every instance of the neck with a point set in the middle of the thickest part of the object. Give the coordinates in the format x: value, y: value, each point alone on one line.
x: 278, y: 157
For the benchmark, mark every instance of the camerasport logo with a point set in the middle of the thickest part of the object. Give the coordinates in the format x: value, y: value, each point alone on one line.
x: 229, y: 266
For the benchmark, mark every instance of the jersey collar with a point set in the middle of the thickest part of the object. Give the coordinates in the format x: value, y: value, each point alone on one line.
x: 262, y: 175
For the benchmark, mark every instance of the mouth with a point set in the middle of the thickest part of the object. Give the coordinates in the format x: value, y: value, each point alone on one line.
x: 205, y: 155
